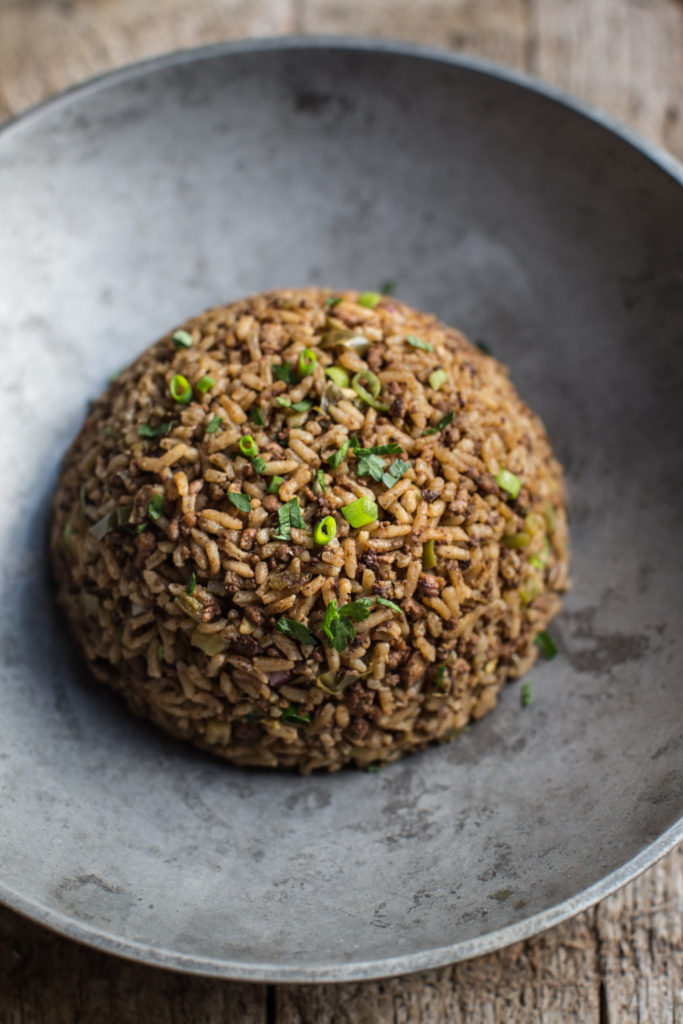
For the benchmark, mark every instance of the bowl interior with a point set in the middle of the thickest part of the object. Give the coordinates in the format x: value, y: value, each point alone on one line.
x: 136, y: 202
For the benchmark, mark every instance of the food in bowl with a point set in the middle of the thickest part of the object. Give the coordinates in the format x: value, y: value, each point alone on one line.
x: 309, y: 529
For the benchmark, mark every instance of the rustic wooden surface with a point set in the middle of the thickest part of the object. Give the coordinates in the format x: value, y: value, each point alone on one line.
x: 620, y: 963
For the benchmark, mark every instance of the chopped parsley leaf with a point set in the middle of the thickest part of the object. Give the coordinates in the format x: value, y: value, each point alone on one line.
x: 144, y: 430
x: 240, y: 501
x: 443, y: 422
x: 388, y: 287
x: 335, y: 460
x: 320, y: 477
x: 292, y: 714
x: 390, y: 604
x: 483, y: 347
x: 191, y: 584
x: 255, y: 416
x: 301, y: 406
x: 546, y: 644
x: 340, y: 630
x: 215, y: 423
x: 297, y: 630
x: 285, y: 372
x: 396, y: 470
x: 357, y: 610
x: 332, y: 300
x: 155, y: 508
x: 371, y: 465
x: 289, y: 515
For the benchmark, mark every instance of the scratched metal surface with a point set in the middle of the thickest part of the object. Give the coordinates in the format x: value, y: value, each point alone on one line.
x: 133, y: 203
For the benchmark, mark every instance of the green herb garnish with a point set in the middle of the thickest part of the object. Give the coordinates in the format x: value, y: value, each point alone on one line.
x: 292, y: 714
x: 181, y: 339
x: 388, y: 287
x: 367, y: 386
x: 332, y: 300
x: 360, y: 512
x: 204, y: 385
x: 338, y: 376
x: 325, y: 531
x: 275, y: 483
x: 546, y: 644
x: 416, y: 342
x: 111, y: 521
x: 335, y: 460
x: 285, y: 372
x: 320, y: 477
x: 191, y: 584
x: 371, y: 465
x: 144, y: 430
x: 396, y: 470
x: 439, y: 677
x: 259, y: 464
x: 526, y: 695
x: 155, y: 509
x: 443, y: 422
x: 507, y: 481
x: 297, y: 630
x: 370, y: 299
x: 437, y: 379
x: 339, y: 629
x: 390, y: 604
x: 247, y: 445
x: 358, y: 610
x: 483, y: 347
x: 307, y: 362
x: 240, y: 501
x: 289, y: 515
x: 180, y: 389
x: 255, y: 416
x: 214, y: 424
x: 301, y: 406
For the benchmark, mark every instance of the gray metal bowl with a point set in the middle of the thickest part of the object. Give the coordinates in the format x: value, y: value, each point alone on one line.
x: 139, y: 199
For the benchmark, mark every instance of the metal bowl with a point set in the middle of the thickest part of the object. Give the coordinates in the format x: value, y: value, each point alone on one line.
x: 511, y: 212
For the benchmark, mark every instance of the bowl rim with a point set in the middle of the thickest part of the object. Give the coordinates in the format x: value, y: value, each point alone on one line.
x: 97, y: 937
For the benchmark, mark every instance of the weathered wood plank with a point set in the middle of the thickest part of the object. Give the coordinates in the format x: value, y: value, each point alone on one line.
x: 45, y: 979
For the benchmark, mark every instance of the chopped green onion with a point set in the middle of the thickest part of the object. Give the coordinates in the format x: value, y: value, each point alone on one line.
x: 325, y: 531
x: 259, y: 464
x: 483, y: 347
x: 144, y: 430
x: 289, y: 515
x: 437, y: 379
x: 292, y: 714
x: 507, y: 481
x: 247, y: 445
x: 370, y: 299
x: 307, y: 362
x: 274, y: 485
x: 440, y: 673
x: 390, y: 604
x: 416, y: 342
x: 160, y: 651
x: 215, y: 423
x: 285, y: 372
x: 540, y: 560
x: 546, y: 644
x: 526, y: 695
x: 388, y: 287
x: 297, y: 630
x: 297, y: 406
x: 180, y: 389
x: 338, y: 376
x: 181, y: 339
x: 191, y: 584
x: 332, y: 300
x: 428, y: 555
x: 360, y: 512
x: 155, y: 509
x: 368, y: 394
x: 140, y: 528
x: 515, y: 541
x: 240, y: 501
x: 255, y: 416
x: 205, y: 385
x: 320, y: 477
x: 529, y: 590
x: 335, y: 460
x: 443, y: 422
x: 381, y: 449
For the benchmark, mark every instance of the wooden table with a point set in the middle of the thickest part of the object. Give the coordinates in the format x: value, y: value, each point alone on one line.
x: 619, y: 963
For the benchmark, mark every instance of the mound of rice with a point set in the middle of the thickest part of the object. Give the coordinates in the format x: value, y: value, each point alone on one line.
x: 310, y: 529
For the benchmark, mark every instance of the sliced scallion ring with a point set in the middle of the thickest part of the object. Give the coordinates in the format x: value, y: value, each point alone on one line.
x: 367, y: 386
x: 325, y: 531
x: 247, y: 445
x: 180, y: 389
x: 360, y: 512
x: 307, y: 362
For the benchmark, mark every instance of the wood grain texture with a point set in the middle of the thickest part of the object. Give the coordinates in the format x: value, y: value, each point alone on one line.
x: 621, y: 963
